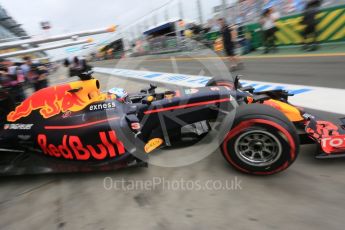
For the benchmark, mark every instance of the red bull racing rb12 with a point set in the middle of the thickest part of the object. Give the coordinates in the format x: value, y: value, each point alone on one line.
x: 75, y: 127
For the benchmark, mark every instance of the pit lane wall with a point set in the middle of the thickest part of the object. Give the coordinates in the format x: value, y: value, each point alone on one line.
x: 331, y: 28
x: 304, y: 95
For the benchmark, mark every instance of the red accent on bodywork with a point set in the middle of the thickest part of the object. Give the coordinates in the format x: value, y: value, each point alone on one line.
x: 228, y: 85
x: 79, y: 126
x: 323, y: 129
x: 326, y: 133
x: 333, y: 144
x: 187, y: 106
x: 135, y: 126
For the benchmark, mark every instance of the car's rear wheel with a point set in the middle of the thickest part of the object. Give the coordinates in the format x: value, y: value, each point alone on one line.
x: 262, y: 141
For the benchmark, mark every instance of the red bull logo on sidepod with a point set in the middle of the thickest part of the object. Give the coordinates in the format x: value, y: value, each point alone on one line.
x: 53, y: 100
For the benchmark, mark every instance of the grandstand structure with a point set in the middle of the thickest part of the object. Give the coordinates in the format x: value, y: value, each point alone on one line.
x: 11, y: 30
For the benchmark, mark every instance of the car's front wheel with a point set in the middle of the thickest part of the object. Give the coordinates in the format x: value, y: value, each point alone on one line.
x: 262, y: 141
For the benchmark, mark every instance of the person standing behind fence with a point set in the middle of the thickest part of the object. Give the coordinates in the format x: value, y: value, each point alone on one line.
x: 229, y: 42
x: 268, y: 19
x: 39, y: 76
x: 310, y: 23
x: 26, y: 67
x: 14, y: 79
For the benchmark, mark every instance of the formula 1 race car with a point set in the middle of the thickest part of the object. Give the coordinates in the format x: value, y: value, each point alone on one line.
x: 75, y: 127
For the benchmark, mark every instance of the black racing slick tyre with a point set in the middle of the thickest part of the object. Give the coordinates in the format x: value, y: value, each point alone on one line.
x: 262, y: 141
x: 220, y: 82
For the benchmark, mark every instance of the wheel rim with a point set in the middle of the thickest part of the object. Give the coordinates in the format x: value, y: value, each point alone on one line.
x: 258, y: 148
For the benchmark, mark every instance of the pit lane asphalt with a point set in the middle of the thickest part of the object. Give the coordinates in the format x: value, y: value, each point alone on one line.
x: 309, y: 195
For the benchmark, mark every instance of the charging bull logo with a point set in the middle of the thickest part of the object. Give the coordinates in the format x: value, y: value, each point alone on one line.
x: 52, y: 101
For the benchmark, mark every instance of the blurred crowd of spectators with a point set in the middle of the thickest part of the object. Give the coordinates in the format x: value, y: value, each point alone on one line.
x: 248, y: 11
x: 193, y: 36
x: 18, y: 76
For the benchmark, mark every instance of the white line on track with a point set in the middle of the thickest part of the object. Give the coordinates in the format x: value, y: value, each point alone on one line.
x: 319, y: 98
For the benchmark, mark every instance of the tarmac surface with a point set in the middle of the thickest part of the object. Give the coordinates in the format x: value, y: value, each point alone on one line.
x: 208, y: 194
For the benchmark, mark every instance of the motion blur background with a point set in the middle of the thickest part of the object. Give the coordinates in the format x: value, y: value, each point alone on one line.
x: 153, y: 27
x: 175, y: 39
